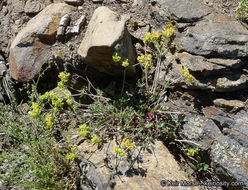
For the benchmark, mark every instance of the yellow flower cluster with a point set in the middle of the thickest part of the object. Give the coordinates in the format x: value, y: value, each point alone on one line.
x: 126, y: 144
x: 192, y: 152
x: 63, y: 79
x: 95, y: 139
x: 49, y: 120
x: 119, y: 151
x: 145, y: 60
x: 64, y: 76
x: 168, y: 31
x: 125, y: 63
x: 155, y: 37
x: 72, y: 155
x: 185, y: 73
x: 57, y: 101
x: 152, y: 37
x: 35, y: 110
x: 116, y: 57
x: 84, y: 130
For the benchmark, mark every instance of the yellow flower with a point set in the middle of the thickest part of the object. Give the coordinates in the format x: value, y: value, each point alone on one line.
x: 185, y: 73
x: 119, y: 151
x: 155, y: 36
x: 125, y: 63
x: 95, y: 139
x: 36, y: 110
x: 61, y: 85
x: 147, y: 37
x: 140, y: 58
x: 116, y: 57
x: 168, y: 31
x: 84, y: 130
x: 146, y: 65
x: 49, y: 120
x: 68, y: 101
x: 126, y: 143
x: 64, y: 76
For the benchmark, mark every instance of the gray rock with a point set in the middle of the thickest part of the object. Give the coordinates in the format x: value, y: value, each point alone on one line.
x: 231, y: 83
x: 77, y: 26
x: 184, y: 11
x: 64, y: 21
x: 220, y: 75
x: 74, y: 2
x: 93, y: 178
x: 235, y: 128
x: 107, y: 34
x: 33, y: 7
x: 217, y: 36
x: 229, y: 160
x: 230, y: 104
x: 204, y: 67
x: 224, y: 138
x: 97, y: 1
x: 201, y: 130
x: 140, y: 3
x: 3, y: 68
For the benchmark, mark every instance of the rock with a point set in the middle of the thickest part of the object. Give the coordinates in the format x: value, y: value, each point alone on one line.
x: 203, y: 66
x: 3, y: 68
x: 201, y: 130
x: 76, y: 27
x: 140, y: 32
x: 74, y: 2
x: 231, y: 104
x: 230, y: 160
x: 220, y: 75
x: 107, y: 34
x: 99, y: 171
x: 33, y: 7
x: 64, y: 21
x: 184, y: 11
x: 140, y: 3
x: 30, y: 48
x: 235, y: 128
x: 97, y: 1
x: 232, y: 83
x: 228, y: 151
x: 217, y: 36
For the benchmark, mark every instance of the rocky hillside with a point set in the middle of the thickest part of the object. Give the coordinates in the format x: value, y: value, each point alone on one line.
x: 186, y: 61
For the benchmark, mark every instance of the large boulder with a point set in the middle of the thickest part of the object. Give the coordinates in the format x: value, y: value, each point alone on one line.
x: 31, y: 46
x: 102, y: 170
x: 107, y: 34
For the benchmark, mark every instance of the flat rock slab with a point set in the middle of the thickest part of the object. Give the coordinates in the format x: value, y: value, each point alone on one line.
x: 217, y: 36
x: 30, y: 48
x: 107, y: 34
x: 184, y: 11
x: 220, y: 75
x: 229, y: 105
x: 154, y: 166
x: 205, y: 67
